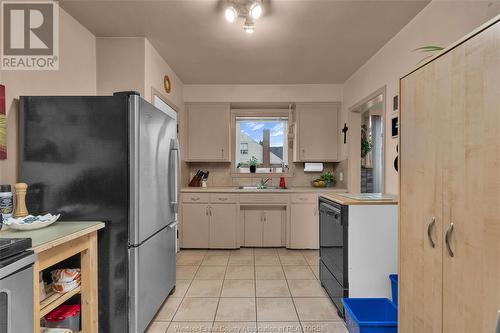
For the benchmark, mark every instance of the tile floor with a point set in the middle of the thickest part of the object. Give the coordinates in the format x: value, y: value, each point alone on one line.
x: 248, y: 290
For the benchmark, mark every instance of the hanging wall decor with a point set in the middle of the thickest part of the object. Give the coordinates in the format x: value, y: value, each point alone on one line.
x: 167, y: 85
x: 3, y: 125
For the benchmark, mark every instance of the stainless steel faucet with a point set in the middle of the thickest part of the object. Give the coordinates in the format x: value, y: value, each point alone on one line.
x: 263, y: 182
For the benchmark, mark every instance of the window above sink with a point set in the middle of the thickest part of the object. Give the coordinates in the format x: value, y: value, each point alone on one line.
x: 263, y: 139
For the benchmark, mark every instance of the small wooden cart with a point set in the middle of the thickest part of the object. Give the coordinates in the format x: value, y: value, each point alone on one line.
x: 54, y: 244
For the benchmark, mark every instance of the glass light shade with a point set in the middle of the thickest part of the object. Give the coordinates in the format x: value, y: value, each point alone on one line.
x: 231, y: 14
x: 256, y: 10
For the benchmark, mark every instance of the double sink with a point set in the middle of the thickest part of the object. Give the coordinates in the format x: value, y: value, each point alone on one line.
x: 262, y: 188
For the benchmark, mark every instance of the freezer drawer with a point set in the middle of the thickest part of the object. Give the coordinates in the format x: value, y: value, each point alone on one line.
x: 152, y: 277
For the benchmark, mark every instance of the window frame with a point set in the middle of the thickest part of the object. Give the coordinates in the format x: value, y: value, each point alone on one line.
x: 261, y: 113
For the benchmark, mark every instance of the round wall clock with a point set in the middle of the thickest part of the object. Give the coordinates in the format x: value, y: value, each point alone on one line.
x: 167, y: 84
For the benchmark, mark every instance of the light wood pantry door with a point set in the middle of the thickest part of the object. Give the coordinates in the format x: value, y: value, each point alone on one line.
x: 208, y: 132
x: 317, y: 132
x: 420, y: 212
x: 304, y: 226
x: 195, y: 226
x: 223, y: 221
x: 472, y: 266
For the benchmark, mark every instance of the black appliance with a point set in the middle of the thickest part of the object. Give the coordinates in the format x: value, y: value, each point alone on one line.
x: 333, y: 271
x: 113, y: 159
x: 16, y: 285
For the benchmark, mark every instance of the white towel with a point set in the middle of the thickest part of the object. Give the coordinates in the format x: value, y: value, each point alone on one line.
x: 55, y: 330
x: 313, y: 167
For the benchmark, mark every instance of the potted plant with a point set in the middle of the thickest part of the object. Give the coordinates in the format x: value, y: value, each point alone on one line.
x: 366, y: 144
x: 329, y: 178
x: 253, y: 164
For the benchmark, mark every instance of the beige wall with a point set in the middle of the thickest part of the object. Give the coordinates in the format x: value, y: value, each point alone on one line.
x: 132, y: 63
x: 76, y: 75
x: 220, y: 174
x: 263, y: 93
x: 120, y: 65
x: 155, y: 70
x: 439, y: 23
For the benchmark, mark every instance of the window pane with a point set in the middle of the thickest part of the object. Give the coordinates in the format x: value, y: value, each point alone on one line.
x: 262, y: 138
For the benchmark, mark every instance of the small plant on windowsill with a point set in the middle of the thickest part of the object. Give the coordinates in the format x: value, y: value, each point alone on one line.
x: 253, y: 164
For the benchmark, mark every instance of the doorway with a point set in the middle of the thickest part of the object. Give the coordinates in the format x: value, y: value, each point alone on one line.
x: 367, y: 146
x: 371, y: 146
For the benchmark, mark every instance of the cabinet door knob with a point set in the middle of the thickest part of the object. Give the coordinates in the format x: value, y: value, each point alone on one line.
x: 429, y: 231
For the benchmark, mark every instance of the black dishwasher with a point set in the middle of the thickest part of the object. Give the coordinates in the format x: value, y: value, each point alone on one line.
x: 333, y: 270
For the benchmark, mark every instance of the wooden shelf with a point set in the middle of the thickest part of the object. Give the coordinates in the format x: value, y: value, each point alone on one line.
x: 55, y: 299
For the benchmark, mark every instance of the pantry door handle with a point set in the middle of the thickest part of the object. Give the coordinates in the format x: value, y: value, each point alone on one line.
x: 498, y: 322
x: 210, y: 210
x: 429, y: 231
x: 447, y: 239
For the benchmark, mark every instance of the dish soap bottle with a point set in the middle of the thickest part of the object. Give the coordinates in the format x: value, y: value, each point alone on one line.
x: 6, y: 203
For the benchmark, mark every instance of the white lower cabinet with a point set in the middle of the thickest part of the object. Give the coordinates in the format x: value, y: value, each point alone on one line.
x: 206, y: 226
x: 195, y: 226
x: 253, y: 220
x: 223, y: 222
x: 304, y: 226
x: 263, y: 227
x: 228, y: 220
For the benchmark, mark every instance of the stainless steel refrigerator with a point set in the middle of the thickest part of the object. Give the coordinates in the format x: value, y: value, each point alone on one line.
x: 113, y: 159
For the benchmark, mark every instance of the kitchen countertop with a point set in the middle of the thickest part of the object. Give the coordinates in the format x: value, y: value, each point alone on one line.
x: 235, y: 189
x: 53, y: 235
x: 349, y: 201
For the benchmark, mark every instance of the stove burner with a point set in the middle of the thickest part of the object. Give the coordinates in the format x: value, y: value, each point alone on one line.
x: 12, y: 246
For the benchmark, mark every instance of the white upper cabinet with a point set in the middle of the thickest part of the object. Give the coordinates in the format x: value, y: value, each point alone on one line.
x: 208, y: 132
x: 317, y: 132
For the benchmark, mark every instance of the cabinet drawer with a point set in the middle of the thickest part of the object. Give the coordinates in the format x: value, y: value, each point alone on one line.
x: 223, y: 198
x: 195, y: 197
x: 304, y: 198
x: 266, y: 198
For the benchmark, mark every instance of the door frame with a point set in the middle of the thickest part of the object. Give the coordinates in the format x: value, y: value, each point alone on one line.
x: 183, y: 169
x: 354, y: 145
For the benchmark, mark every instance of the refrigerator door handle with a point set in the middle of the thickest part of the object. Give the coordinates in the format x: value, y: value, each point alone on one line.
x: 174, y: 176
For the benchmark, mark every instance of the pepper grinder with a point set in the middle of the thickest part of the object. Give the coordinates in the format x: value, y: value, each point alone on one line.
x: 21, y: 210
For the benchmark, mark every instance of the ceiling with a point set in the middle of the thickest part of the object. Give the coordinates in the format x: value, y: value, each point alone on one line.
x: 295, y: 42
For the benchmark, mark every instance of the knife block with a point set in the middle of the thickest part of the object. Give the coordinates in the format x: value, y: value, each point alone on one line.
x: 21, y: 210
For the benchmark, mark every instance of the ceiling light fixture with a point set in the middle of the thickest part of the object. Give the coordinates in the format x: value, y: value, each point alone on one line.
x: 256, y: 10
x: 249, y: 26
x: 249, y: 10
x: 231, y: 14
